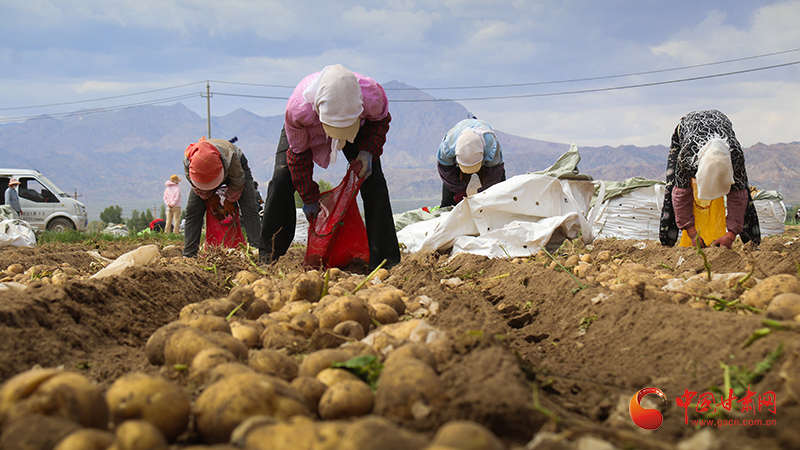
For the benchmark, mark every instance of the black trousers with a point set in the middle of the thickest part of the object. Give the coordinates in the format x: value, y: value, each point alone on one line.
x: 278, y: 222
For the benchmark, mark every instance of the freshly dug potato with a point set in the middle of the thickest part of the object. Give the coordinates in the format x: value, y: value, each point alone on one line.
x: 273, y: 362
x: 245, y: 277
x: 784, y: 307
x: 247, y: 334
x: 350, y: 329
x: 86, y: 439
x: 206, y: 360
x: 466, y: 435
x: 36, y: 432
x: 376, y: 433
x: 151, y: 398
x: 413, y: 350
x: 331, y: 376
x: 212, y: 307
x: 154, y: 348
x: 384, y: 313
x: 226, y: 370
x: 282, y: 335
x: 346, y: 399
x: 321, y: 359
x: 306, y: 322
x: 407, y: 384
x: 311, y: 389
x: 295, y: 308
x: 226, y: 403
x: 280, y: 316
x: 307, y: 287
x: 138, y: 435
x: 392, y: 297
x: 763, y: 293
x: 207, y: 323
x: 346, y: 308
x: 184, y: 344
x: 257, y: 309
x: 299, y: 433
x: 54, y: 393
x: 326, y: 338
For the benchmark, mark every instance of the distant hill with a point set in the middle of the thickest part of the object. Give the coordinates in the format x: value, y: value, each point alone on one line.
x: 124, y: 157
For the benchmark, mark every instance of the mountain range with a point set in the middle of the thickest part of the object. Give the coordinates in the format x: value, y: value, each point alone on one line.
x: 124, y: 157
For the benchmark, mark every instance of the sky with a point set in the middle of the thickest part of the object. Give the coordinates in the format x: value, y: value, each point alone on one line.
x: 615, y: 72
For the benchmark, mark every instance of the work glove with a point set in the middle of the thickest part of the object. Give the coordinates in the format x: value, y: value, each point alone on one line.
x: 460, y: 196
x: 216, y: 206
x: 311, y: 210
x: 725, y: 241
x: 692, y: 232
x: 229, y: 206
x: 366, y: 163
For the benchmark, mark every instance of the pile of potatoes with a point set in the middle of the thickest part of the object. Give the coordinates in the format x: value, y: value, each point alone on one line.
x: 268, y: 360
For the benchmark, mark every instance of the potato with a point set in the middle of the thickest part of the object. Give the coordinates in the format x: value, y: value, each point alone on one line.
x: 36, y: 432
x: 86, y: 439
x: 225, y: 370
x: 207, y: 360
x: 244, y: 277
x: 184, y: 344
x: 298, y: 433
x: 307, y: 287
x: 207, y: 323
x: 306, y: 322
x: 406, y: 385
x: 325, y: 338
x: 282, y: 335
x: 346, y: 399
x: 311, y: 389
x: 226, y: 403
x: 138, y: 435
x: 392, y: 297
x: 247, y: 334
x: 154, y: 348
x: 257, y: 309
x: 281, y: 316
x: 350, y: 329
x: 384, y: 314
x: 321, y: 359
x: 54, y: 393
x: 784, y: 307
x: 763, y: 293
x: 346, y: 308
x: 376, y: 433
x: 466, y: 435
x: 272, y: 362
x: 413, y: 350
x: 151, y: 398
x: 212, y: 307
x: 331, y: 376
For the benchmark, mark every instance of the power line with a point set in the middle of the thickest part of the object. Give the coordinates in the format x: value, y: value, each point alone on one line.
x: 102, y: 98
x: 586, y: 91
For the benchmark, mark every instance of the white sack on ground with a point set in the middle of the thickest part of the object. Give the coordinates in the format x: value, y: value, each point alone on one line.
x: 520, y: 239
x: 771, y: 212
x: 633, y: 215
x: 18, y: 233
x: 497, y: 213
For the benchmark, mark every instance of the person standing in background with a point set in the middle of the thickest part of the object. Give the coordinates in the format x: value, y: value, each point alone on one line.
x: 172, y: 199
x: 11, y: 196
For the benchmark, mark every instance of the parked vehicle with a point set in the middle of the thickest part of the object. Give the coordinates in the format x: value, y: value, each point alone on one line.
x: 44, y: 205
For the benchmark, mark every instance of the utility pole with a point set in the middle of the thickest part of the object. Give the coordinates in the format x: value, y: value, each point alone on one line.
x: 208, y: 107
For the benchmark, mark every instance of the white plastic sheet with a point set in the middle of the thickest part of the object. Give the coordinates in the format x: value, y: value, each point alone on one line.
x: 514, y: 218
x: 633, y: 215
x: 17, y: 232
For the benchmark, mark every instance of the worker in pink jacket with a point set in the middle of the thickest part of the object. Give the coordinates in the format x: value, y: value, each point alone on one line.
x: 172, y: 199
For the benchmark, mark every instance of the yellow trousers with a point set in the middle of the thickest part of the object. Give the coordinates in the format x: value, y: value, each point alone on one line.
x: 709, y: 219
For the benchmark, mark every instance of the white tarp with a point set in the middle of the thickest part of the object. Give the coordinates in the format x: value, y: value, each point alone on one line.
x: 514, y: 218
x: 771, y: 216
x: 632, y: 215
x: 17, y: 232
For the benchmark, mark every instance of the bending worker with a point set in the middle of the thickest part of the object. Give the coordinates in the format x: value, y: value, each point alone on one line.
x: 706, y: 162
x: 330, y: 111
x: 210, y: 165
x: 470, y: 147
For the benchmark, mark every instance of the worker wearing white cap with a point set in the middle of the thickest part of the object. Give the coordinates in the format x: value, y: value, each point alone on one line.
x: 470, y: 147
x: 331, y: 111
x: 704, y: 148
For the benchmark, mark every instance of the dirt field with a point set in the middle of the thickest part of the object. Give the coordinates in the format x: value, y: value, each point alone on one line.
x: 532, y: 351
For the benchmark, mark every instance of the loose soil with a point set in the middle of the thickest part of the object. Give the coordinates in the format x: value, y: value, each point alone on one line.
x: 532, y: 350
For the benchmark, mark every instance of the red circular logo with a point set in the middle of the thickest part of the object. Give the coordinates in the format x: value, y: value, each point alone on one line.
x: 649, y: 419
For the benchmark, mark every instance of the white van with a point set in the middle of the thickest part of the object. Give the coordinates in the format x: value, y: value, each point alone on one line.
x: 44, y: 205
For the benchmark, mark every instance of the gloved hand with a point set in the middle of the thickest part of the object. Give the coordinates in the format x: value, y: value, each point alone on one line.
x: 725, y: 241
x: 229, y: 206
x: 692, y: 232
x: 460, y: 196
x: 311, y: 210
x: 366, y: 163
x: 216, y: 207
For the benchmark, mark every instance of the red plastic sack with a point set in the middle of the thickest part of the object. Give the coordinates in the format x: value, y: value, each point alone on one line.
x: 338, y: 235
x: 226, y: 232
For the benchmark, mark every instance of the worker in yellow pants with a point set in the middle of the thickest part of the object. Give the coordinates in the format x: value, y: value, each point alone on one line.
x: 709, y: 219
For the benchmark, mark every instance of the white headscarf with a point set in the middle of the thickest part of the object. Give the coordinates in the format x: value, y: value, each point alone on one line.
x: 714, y: 169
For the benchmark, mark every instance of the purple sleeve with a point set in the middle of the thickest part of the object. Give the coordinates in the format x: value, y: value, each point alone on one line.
x: 737, y: 203
x: 683, y: 203
x: 493, y: 176
x: 449, y: 175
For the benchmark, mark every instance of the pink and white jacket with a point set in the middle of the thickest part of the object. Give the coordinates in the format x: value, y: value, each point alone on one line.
x: 172, y: 194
